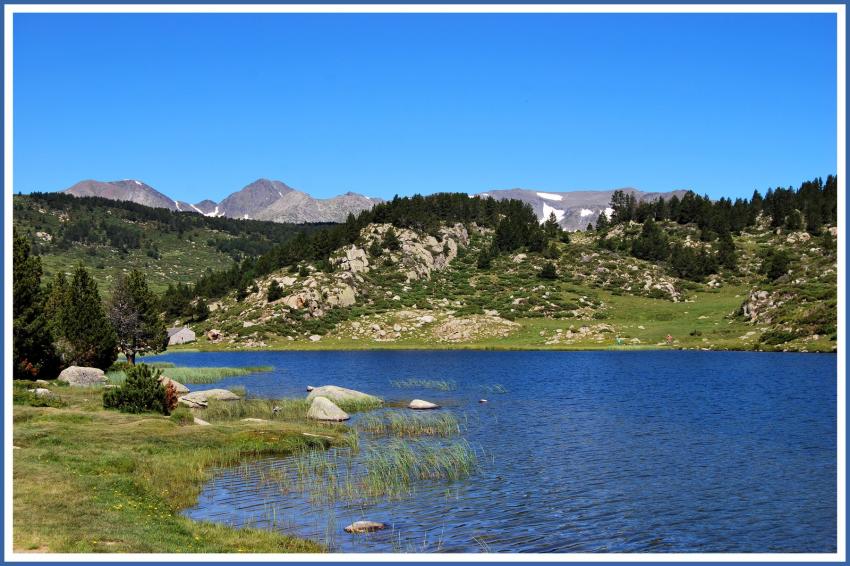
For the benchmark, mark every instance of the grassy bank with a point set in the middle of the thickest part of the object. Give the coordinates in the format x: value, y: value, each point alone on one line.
x: 642, y: 322
x: 91, y: 480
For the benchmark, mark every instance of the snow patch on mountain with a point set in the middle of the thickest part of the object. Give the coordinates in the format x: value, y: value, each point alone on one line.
x: 547, y: 210
x: 550, y: 196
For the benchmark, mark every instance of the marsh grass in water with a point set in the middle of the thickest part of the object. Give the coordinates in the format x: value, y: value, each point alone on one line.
x: 401, y: 423
x: 437, y: 384
x: 188, y: 375
x: 388, y: 470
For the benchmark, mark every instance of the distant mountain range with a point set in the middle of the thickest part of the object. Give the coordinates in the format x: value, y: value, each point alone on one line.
x: 275, y: 201
x: 574, y: 209
x: 261, y: 200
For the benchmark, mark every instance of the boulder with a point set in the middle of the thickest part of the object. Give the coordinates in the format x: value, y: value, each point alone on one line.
x: 203, y: 397
x: 310, y: 388
x: 77, y: 376
x: 178, y: 387
x: 421, y: 405
x: 41, y: 392
x: 213, y: 335
x: 41, y: 383
x: 252, y: 420
x: 323, y: 409
x: 315, y: 338
x: 364, y: 527
x: 340, y: 394
x: 482, y: 400
x: 191, y: 404
x: 201, y: 422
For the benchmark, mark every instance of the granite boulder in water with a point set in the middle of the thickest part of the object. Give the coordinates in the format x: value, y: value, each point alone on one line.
x: 323, y: 409
x: 341, y: 394
x: 364, y: 527
x: 421, y: 405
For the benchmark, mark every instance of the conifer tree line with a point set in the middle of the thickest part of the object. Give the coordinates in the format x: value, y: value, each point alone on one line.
x: 810, y: 207
x: 88, y: 225
x: 64, y: 321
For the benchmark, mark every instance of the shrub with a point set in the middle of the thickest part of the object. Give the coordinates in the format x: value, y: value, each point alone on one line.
x: 275, y: 291
x: 548, y: 271
x: 182, y: 416
x: 141, y: 392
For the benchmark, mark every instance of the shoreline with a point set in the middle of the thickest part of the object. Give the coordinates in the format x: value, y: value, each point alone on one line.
x: 483, y: 348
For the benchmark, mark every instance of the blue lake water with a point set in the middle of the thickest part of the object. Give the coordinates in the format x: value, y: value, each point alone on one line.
x: 584, y: 452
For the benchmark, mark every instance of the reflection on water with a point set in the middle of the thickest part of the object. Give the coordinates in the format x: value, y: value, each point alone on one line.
x: 576, y: 452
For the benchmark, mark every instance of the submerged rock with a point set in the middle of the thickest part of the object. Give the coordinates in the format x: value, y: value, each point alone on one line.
x: 340, y: 394
x: 77, y: 376
x: 419, y: 404
x: 364, y: 527
x: 323, y: 409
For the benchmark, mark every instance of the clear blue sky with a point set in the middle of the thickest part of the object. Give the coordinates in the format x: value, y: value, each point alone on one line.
x: 200, y: 105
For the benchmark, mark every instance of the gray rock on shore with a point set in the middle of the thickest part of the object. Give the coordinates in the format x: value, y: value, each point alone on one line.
x: 78, y: 376
x: 204, y: 397
x: 323, y: 409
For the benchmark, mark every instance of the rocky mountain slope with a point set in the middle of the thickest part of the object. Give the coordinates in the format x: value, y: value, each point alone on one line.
x: 574, y: 210
x: 263, y: 199
x: 430, y: 290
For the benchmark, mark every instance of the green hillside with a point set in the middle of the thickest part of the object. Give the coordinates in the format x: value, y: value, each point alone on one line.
x: 109, y: 237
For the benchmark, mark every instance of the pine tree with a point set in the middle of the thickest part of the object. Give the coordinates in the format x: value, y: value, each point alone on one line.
x: 86, y: 338
x: 652, y: 243
x: 726, y: 255
x: 33, y: 352
x: 602, y: 222
x: 391, y: 241
x: 133, y: 311
x: 551, y: 227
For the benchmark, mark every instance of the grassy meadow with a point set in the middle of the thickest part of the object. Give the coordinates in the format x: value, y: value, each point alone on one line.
x: 124, y: 478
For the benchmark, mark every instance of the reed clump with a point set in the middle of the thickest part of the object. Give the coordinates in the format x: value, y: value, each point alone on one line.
x: 405, y: 424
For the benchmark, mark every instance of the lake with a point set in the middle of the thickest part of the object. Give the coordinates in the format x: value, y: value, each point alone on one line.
x: 671, y: 451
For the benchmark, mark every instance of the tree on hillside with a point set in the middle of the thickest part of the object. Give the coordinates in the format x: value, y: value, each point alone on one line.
x: 602, y: 222
x: 775, y: 264
x: 726, y: 255
x: 133, y: 311
x: 551, y: 227
x: 652, y: 243
x: 275, y: 291
x: 623, y: 204
x: 33, y: 352
x: 83, y: 333
x: 391, y: 241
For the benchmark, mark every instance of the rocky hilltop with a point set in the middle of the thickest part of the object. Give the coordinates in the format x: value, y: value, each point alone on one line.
x: 263, y: 199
